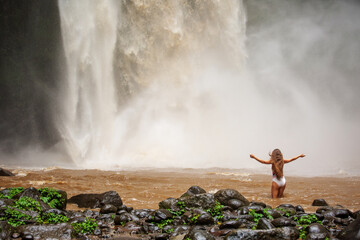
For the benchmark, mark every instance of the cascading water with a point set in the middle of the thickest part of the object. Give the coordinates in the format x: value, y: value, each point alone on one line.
x: 165, y: 84
x: 135, y: 92
x: 89, y: 32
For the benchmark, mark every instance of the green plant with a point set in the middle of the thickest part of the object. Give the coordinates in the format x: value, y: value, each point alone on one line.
x: 304, y: 221
x: 52, y: 197
x: 88, y: 226
x: 28, y: 204
x: 15, y: 217
x: 51, y: 218
x: 216, y: 211
x: 267, y: 214
x: 284, y: 212
x: 12, y: 192
x: 194, y: 218
x: 164, y: 223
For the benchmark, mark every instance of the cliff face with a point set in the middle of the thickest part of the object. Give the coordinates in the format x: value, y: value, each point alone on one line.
x: 30, y: 68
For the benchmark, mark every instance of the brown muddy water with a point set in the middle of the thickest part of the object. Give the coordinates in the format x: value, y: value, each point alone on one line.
x: 146, y: 188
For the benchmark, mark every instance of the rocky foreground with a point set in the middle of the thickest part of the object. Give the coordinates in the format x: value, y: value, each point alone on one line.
x: 41, y: 214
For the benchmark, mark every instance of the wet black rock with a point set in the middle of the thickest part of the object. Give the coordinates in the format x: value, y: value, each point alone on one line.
x: 230, y: 224
x: 319, y: 202
x: 203, y: 200
x: 96, y: 200
x: 316, y: 231
x: 162, y: 214
x: 169, y: 203
x: 46, y: 231
x: 108, y: 208
x: 199, y: 233
x: 254, y: 203
x: 5, y: 230
x: 351, y: 232
x: 193, y: 190
x: 283, y: 222
x: 264, y: 224
x: 225, y: 195
x: 270, y: 234
x: 299, y: 208
x: 4, y: 172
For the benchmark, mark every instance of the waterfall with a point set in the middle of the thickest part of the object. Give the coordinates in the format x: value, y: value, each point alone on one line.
x: 141, y: 78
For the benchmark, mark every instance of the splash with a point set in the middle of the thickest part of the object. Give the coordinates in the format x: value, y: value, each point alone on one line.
x: 138, y: 78
x: 172, y: 84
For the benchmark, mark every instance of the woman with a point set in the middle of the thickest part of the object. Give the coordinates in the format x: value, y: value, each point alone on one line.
x: 278, y: 181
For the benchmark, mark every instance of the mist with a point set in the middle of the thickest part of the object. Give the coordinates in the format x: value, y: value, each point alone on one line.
x: 204, y: 84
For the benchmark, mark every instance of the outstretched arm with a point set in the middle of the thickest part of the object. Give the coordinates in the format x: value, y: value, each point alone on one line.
x: 294, y: 158
x: 259, y: 160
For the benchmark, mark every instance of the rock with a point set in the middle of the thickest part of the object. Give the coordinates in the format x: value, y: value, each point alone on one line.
x: 235, y: 203
x: 203, y: 201
x: 264, y: 224
x: 283, y: 222
x: 351, y: 232
x: 47, y: 231
x: 319, y: 202
x: 225, y: 195
x: 108, y: 208
x: 230, y: 224
x: 4, y: 172
x: 341, y: 213
x: 199, y: 233
x: 270, y: 234
x: 162, y: 214
x: 193, y: 191
x: 183, y: 229
x: 170, y: 203
x: 143, y: 213
x: 316, y: 231
x: 92, y: 200
x: 6, y: 202
x: 286, y: 206
x: 253, y: 203
x: 299, y: 208
x: 200, y: 217
x: 256, y: 208
x: 34, y: 194
x: 5, y: 230
x: 321, y: 210
x: 274, y: 213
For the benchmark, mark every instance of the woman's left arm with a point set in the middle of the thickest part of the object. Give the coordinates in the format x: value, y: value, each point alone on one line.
x: 294, y: 158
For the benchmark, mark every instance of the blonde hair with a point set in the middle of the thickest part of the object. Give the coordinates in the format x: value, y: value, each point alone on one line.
x: 277, y: 161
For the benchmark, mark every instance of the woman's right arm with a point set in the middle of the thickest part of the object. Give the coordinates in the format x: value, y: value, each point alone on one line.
x: 260, y: 160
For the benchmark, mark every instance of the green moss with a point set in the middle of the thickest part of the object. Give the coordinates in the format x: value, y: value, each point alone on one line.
x: 51, y: 218
x: 216, y: 211
x: 12, y: 193
x: 88, y: 226
x: 52, y: 197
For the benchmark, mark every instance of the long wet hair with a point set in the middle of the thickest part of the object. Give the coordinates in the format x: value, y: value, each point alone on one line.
x: 277, y: 161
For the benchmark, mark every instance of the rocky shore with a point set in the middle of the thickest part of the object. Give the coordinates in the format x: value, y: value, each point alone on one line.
x: 41, y: 214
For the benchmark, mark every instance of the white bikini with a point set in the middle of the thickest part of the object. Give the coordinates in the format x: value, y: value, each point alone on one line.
x: 280, y: 182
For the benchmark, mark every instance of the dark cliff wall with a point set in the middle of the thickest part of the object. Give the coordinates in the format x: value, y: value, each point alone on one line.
x: 30, y: 69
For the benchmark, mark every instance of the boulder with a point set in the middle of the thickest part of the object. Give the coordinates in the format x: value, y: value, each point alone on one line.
x: 199, y: 233
x: 264, y: 224
x: 283, y: 222
x: 60, y: 231
x: 108, y: 208
x: 202, y: 200
x: 316, y: 231
x: 93, y: 200
x: 230, y: 224
x: 4, y: 172
x: 193, y: 190
x: 319, y: 202
x: 351, y: 232
x: 225, y: 195
x: 5, y: 230
x: 288, y: 233
x: 169, y: 203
